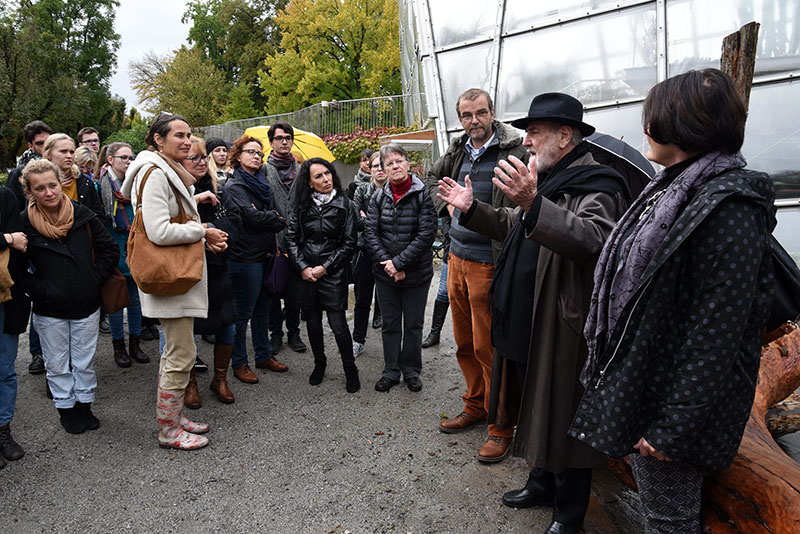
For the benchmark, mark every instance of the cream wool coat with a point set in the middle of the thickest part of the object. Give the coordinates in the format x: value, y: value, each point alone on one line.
x: 158, y: 206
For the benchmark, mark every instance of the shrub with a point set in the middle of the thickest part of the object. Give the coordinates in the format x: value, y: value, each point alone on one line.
x: 133, y: 136
x: 348, y: 147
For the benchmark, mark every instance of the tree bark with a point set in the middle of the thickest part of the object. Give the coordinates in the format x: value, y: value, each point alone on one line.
x: 739, y: 58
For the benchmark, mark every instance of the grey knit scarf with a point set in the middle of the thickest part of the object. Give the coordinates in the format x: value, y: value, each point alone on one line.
x: 622, y: 262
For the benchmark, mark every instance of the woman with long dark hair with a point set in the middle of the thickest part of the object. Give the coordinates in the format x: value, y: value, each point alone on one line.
x: 248, y: 193
x: 321, y: 238
x: 167, y: 186
x: 682, y: 292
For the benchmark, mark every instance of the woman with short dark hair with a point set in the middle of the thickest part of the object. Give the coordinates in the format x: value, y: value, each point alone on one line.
x: 321, y: 238
x: 682, y: 292
x: 400, y: 229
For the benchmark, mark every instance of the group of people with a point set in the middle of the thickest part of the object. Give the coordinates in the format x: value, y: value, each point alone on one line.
x: 588, y: 321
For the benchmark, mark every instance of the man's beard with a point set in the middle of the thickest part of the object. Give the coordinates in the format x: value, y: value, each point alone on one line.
x: 547, y: 156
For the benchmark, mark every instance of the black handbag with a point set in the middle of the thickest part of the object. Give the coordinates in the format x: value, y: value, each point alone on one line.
x: 786, y: 300
x: 277, y: 274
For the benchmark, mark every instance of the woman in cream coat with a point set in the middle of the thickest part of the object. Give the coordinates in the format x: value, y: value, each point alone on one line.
x: 169, y: 141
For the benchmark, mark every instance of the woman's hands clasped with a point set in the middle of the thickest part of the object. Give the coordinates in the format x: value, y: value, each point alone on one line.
x: 216, y: 240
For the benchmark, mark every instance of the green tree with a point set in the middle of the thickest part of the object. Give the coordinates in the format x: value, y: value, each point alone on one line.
x: 333, y: 49
x: 56, y: 59
x: 186, y: 83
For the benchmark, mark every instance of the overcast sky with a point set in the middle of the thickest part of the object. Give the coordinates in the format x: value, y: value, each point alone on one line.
x: 145, y: 25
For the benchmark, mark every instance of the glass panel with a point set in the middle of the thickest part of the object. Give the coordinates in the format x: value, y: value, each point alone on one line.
x: 772, y: 136
x: 599, y: 60
x: 457, y: 21
x: 460, y: 70
x: 524, y: 14
x: 695, y: 29
x: 622, y: 122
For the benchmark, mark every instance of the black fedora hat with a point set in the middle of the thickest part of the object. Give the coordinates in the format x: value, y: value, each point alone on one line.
x: 555, y: 107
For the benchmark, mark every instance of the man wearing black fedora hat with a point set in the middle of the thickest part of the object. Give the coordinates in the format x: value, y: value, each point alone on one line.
x: 567, y: 206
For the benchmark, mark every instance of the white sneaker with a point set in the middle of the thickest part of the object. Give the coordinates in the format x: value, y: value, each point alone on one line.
x: 358, y: 348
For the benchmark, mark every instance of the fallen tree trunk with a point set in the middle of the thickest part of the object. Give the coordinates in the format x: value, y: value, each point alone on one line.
x: 760, y: 492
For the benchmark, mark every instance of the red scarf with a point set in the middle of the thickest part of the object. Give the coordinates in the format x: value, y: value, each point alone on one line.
x: 398, y: 190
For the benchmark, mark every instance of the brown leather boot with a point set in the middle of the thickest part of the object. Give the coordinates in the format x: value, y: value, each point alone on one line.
x: 219, y: 385
x: 135, y: 352
x: 192, y: 398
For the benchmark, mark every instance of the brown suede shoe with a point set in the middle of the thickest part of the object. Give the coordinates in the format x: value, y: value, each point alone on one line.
x: 245, y: 374
x: 494, y: 450
x: 273, y: 365
x: 460, y: 423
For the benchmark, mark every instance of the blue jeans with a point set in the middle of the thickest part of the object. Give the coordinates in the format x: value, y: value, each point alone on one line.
x: 252, y: 304
x: 441, y: 293
x: 134, y: 314
x: 226, y: 335
x: 8, y: 376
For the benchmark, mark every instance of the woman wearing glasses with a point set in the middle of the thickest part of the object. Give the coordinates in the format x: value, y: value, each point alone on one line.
x: 248, y: 193
x: 112, y: 164
x: 400, y: 229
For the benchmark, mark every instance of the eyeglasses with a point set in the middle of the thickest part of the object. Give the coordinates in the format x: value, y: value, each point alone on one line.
x: 393, y: 163
x: 253, y: 152
x: 197, y: 159
x: 482, y: 114
x: 282, y: 138
x: 124, y: 158
x: 90, y: 142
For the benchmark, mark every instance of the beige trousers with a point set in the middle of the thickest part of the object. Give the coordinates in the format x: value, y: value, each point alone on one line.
x: 178, y: 356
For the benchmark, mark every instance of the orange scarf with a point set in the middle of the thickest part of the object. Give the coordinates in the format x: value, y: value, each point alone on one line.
x: 48, y: 225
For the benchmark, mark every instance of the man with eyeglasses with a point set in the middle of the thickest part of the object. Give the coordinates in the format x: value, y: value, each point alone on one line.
x: 484, y: 143
x: 88, y: 136
x: 36, y: 133
x: 281, y: 169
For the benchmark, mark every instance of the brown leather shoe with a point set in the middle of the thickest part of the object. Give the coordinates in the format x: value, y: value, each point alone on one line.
x: 494, y: 450
x: 192, y: 397
x: 245, y: 374
x: 460, y: 423
x: 273, y: 365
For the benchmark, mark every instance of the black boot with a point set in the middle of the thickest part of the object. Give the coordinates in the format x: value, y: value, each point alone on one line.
x: 84, y: 411
x: 135, y: 351
x: 353, y: 383
x: 439, y: 315
x: 319, y: 371
x: 120, y: 354
x: 9, y: 449
x: 70, y: 421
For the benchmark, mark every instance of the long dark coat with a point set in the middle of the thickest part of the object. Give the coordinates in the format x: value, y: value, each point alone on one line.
x: 684, y: 374
x: 323, y: 235
x: 571, y: 233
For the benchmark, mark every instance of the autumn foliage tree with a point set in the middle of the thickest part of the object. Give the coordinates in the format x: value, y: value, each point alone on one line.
x: 332, y: 49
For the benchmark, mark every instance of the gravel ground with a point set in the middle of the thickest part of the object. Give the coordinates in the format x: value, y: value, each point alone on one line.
x: 285, y: 457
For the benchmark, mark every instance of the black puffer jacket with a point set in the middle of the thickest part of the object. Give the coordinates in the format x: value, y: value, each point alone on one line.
x: 221, y: 304
x: 260, y: 221
x: 65, y: 284
x: 323, y: 235
x: 402, y: 232
x: 681, y: 365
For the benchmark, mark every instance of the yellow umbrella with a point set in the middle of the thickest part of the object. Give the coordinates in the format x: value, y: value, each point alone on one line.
x: 306, y: 144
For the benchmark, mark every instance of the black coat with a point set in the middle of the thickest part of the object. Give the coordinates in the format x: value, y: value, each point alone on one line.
x: 323, y: 235
x: 260, y: 222
x: 684, y: 373
x: 221, y: 302
x: 18, y: 309
x: 402, y: 232
x: 65, y: 283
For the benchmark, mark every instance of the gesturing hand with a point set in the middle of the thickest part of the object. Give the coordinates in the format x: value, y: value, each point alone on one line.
x: 458, y: 196
x: 516, y: 181
x: 206, y: 197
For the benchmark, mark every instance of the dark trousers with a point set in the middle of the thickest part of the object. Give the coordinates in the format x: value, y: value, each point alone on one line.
x: 570, y: 490
x: 403, y: 313
x: 363, y: 286
x: 338, y: 324
x: 290, y: 313
x: 670, y: 494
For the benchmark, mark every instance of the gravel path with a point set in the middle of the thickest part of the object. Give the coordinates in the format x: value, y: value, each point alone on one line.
x: 285, y: 457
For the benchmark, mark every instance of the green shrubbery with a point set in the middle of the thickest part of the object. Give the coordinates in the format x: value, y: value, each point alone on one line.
x: 133, y: 136
x: 348, y: 147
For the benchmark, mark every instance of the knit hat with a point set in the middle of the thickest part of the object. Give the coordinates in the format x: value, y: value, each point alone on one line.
x: 214, y: 142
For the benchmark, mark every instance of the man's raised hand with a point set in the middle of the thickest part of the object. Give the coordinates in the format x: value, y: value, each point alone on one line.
x: 458, y: 196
